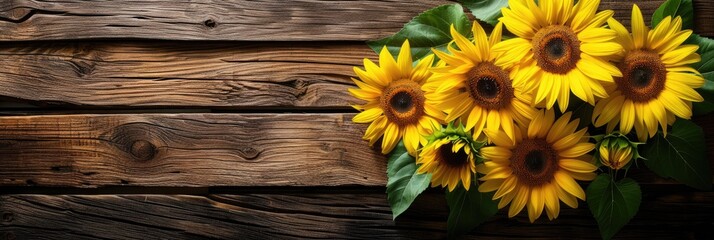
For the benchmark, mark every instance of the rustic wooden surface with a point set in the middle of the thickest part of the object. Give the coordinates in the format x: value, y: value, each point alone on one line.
x: 196, y: 150
x: 327, y: 215
x: 262, y: 20
x: 187, y: 150
x: 170, y: 74
x: 230, y: 119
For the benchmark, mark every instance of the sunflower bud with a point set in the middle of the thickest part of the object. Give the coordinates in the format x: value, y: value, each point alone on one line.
x: 450, y: 157
x: 616, y: 151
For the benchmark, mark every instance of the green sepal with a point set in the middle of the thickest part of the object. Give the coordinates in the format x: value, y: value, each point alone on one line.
x: 616, y: 140
x: 455, y: 132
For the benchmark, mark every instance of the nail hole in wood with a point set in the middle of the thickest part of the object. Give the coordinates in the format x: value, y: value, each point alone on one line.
x: 30, y: 182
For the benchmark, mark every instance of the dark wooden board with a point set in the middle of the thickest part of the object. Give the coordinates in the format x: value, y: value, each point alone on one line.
x: 319, y: 215
x: 187, y: 150
x: 176, y: 74
x: 196, y: 150
x: 264, y: 20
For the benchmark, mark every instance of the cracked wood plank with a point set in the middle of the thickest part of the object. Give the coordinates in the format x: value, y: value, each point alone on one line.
x: 200, y: 150
x: 175, y: 74
x: 187, y: 150
x: 334, y: 215
x: 264, y: 20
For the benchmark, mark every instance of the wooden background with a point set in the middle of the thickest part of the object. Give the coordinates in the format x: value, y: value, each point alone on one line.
x: 140, y: 119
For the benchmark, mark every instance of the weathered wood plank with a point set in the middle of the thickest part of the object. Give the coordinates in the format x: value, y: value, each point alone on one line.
x: 187, y: 150
x: 197, y: 150
x: 318, y: 215
x: 263, y: 20
x: 173, y: 74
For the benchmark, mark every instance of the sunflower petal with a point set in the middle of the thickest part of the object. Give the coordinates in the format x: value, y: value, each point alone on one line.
x: 535, y: 205
x: 519, y: 201
x: 576, y: 165
x: 368, y: 115
x: 568, y: 184
x: 577, y: 150
x: 639, y: 29
x: 391, y: 137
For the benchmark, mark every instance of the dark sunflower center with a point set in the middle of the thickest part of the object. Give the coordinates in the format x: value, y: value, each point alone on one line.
x: 556, y: 49
x: 643, y: 76
x: 403, y: 102
x: 534, y: 162
x: 489, y: 86
x: 450, y: 158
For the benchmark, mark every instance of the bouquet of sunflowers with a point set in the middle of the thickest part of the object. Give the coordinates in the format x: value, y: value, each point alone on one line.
x: 558, y: 92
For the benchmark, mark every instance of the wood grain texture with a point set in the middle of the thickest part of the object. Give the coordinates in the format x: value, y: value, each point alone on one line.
x: 185, y: 150
x: 175, y: 74
x: 264, y: 20
x: 319, y: 215
x: 198, y: 150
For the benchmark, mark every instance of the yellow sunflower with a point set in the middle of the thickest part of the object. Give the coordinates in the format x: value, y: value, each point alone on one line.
x: 657, y: 82
x: 449, y: 157
x: 560, y: 48
x: 396, y: 105
x: 472, y: 87
x: 540, y: 167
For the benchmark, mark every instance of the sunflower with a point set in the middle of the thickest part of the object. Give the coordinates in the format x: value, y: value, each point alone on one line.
x: 540, y: 167
x: 657, y: 83
x: 449, y: 157
x: 560, y: 48
x: 396, y: 105
x: 471, y: 86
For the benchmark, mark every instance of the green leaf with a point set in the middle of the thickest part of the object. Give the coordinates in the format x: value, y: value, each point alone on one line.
x: 486, y: 10
x: 706, y: 68
x: 675, y: 8
x: 430, y: 29
x: 468, y: 209
x: 404, y: 184
x: 613, y: 204
x: 681, y: 155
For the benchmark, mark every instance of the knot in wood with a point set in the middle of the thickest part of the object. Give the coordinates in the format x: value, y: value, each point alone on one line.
x: 8, y: 217
x: 210, y: 23
x: 143, y: 150
x: 9, y: 236
x: 250, y: 153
